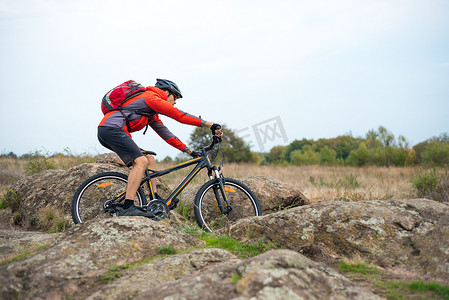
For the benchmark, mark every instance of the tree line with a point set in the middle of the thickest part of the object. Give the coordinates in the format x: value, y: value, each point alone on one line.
x: 379, y: 148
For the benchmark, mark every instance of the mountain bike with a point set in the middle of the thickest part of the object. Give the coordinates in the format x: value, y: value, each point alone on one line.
x: 218, y: 202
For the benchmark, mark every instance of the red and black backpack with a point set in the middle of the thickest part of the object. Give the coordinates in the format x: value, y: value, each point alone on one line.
x: 115, y: 98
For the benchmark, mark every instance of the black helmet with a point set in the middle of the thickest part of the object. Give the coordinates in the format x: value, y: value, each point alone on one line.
x: 164, y: 84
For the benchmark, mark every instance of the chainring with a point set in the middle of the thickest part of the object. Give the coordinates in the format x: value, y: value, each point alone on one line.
x: 159, y: 208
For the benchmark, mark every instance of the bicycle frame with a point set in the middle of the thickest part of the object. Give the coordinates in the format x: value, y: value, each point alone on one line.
x: 201, y: 162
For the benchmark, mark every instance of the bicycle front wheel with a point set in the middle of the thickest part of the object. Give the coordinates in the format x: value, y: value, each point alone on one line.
x: 207, y: 211
x: 92, y: 197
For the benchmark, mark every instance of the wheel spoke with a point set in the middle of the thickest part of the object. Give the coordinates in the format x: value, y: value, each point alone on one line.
x: 97, y: 193
x: 243, y: 202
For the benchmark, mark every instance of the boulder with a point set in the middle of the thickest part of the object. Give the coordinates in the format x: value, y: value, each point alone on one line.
x: 109, y: 158
x: 50, y: 193
x: 82, y: 254
x: 409, y: 234
x: 272, y: 194
x: 72, y: 266
x: 52, y: 190
x: 14, y: 242
x: 277, y: 274
x: 157, y: 272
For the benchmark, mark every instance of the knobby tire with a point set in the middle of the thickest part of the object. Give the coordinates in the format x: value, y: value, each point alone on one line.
x: 87, y: 203
x: 207, y: 212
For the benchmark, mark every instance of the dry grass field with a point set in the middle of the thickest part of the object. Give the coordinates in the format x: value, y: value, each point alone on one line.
x: 327, y: 182
x: 330, y: 182
x: 315, y: 182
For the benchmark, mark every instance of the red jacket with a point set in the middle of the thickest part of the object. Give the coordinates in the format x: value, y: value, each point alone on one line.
x: 152, y: 102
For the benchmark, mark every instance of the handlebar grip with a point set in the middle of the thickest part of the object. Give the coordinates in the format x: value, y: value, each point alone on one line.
x: 214, y: 127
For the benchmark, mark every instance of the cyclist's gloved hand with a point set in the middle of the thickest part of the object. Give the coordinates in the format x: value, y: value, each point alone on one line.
x: 195, y: 154
x: 214, y: 127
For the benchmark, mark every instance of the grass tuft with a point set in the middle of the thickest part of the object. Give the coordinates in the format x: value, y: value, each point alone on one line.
x: 235, y: 246
x: 421, y: 286
x: 236, y: 278
x: 114, y: 272
x: 166, y: 250
x: 362, y: 268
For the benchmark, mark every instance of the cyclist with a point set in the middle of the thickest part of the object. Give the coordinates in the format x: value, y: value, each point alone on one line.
x: 114, y: 133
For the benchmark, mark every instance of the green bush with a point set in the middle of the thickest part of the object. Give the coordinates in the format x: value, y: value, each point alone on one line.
x: 327, y: 156
x: 436, y: 153
x: 306, y: 156
x: 360, y: 156
x: 11, y: 199
x: 38, y: 162
x: 441, y: 192
x: 276, y: 154
x: 295, y: 145
x: 425, y: 184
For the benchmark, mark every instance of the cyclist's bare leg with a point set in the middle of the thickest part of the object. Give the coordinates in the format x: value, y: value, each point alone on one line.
x: 152, y: 166
x: 139, y: 165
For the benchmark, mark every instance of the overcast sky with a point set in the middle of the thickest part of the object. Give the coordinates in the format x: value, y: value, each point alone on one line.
x: 298, y: 69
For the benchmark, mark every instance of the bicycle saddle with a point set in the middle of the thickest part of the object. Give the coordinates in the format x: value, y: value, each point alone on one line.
x: 145, y: 152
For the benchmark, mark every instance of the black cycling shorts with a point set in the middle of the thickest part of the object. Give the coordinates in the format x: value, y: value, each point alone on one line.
x: 117, y: 140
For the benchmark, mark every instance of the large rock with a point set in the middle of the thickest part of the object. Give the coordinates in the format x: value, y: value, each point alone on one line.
x: 109, y: 158
x: 277, y: 274
x: 49, y: 194
x: 145, y: 277
x: 272, y: 194
x: 14, y: 243
x: 52, y: 190
x: 81, y: 255
x: 72, y: 266
x: 411, y: 234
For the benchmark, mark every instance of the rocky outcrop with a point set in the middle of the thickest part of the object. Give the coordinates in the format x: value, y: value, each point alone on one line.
x: 156, y: 273
x: 81, y: 255
x: 120, y: 258
x: 13, y: 242
x: 109, y: 158
x: 52, y: 190
x: 410, y: 234
x: 76, y: 265
x: 272, y: 194
x: 277, y: 274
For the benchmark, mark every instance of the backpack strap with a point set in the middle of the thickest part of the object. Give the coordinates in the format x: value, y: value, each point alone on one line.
x: 145, y: 114
x: 128, y: 125
x: 138, y: 112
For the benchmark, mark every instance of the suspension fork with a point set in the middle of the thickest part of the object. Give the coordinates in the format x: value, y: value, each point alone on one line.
x: 220, y: 193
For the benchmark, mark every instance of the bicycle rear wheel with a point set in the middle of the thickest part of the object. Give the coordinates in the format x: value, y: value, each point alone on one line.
x: 242, y: 200
x: 94, y: 193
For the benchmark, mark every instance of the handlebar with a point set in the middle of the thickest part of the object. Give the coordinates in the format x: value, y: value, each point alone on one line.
x: 215, y: 140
